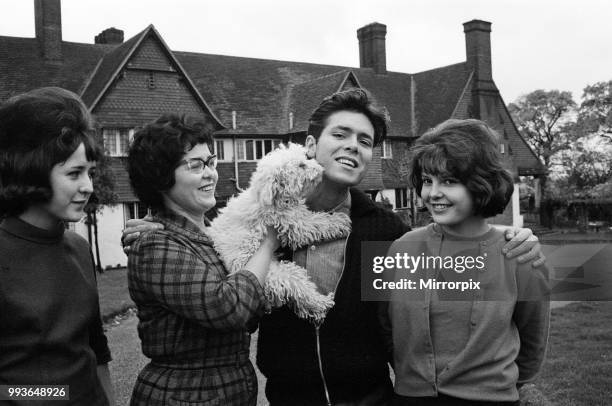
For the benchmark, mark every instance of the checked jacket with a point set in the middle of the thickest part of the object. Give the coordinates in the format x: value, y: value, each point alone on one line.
x: 193, y: 319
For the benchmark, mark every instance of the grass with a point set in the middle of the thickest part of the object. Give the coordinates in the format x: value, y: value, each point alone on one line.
x: 113, y: 291
x: 578, y: 367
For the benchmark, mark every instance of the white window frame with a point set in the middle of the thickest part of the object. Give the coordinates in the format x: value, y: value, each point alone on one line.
x: 387, y: 150
x: 131, y: 211
x: 117, y: 133
x: 247, y: 149
x: 226, y: 154
x: 406, y: 193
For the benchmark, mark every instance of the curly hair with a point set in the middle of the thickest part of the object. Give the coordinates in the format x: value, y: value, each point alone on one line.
x: 355, y: 100
x: 38, y: 130
x: 156, y: 151
x: 467, y: 150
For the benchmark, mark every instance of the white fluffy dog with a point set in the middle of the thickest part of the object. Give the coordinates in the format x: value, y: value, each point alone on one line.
x: 276, y: 197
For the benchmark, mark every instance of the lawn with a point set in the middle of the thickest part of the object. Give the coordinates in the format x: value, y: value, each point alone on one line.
x: 578, y: 368
x: 113, y: 292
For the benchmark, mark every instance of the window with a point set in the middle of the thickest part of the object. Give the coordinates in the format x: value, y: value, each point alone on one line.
x: 134, y: 211
x: 151, y: 80
x: 387, y: 151
x: 252, y: 150
x: 117, y: 140
x: 401, y: 198
x: 224, y: 149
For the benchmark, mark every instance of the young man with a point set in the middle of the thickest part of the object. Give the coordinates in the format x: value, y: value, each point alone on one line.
x: 342, y: 361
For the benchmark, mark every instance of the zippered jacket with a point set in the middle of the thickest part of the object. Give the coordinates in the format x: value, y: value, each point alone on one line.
x: 353, y: 356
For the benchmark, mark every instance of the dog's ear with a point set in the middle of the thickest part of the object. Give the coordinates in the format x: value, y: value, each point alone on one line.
x: 311, y: 146
x: 271, y: 188
x: 266, y: 196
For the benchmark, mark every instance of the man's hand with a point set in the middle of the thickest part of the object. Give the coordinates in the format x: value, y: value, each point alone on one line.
x: 521, y: 241
x: 134, y: 227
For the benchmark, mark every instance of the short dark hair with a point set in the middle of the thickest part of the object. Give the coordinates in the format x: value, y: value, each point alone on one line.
x: 467, y: 150
x: 356, y: 100
x: 38, y: 130
x: 156, y: 151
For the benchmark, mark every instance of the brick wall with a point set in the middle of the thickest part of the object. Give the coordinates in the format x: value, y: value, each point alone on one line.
x: 392, y: 168
x: 139, y: 96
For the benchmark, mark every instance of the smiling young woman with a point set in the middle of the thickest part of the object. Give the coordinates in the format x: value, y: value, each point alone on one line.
x: 52, y: 333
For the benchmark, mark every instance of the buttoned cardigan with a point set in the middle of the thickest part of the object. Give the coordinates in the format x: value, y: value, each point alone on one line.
x: 507, y: 338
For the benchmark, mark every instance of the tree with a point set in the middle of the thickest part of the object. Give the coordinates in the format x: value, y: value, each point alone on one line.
x: 595, y: 112
x: 587, y: 165
x: 104, y: 185
x: 544, y: 119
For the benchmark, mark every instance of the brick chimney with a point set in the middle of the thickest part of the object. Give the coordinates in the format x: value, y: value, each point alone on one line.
x: 372, y: 53
x: 478, y: 48
x: 48, y: 22
x: 110, y: 36
x: 485, y: 96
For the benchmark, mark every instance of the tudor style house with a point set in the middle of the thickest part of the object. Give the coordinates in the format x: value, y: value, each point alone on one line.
x: 254, y: 104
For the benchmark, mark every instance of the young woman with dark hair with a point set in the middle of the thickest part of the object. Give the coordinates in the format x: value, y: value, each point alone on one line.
x: 51, y: 328
x: 478, y: 346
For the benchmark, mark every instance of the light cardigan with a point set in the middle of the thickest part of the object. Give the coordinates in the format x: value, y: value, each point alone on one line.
x: 507, y: 339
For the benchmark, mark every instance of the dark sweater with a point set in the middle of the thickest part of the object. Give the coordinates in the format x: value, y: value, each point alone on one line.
x: 51, y: 330
x: 352, y: 351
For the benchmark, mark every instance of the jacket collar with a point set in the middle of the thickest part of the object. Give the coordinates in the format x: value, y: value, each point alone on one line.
x: 361, y: 204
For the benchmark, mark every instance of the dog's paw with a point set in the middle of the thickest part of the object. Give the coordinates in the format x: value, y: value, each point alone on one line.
x: 288, y: 284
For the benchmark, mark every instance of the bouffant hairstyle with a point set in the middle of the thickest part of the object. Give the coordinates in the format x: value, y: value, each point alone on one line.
x: 467, y: 150
x: 355, y: 100
x: 38, y: 130
x: 156, y: 151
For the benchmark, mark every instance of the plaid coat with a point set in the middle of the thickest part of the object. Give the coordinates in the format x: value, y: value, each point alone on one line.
x: 192, y: 319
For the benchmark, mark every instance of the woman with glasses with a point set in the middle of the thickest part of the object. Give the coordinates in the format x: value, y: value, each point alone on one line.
x: 194, y: 319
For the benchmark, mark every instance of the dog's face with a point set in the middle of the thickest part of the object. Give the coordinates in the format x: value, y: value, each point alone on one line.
x: 286, y: 176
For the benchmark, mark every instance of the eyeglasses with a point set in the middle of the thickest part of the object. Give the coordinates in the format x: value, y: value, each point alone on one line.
x: 196, y: 165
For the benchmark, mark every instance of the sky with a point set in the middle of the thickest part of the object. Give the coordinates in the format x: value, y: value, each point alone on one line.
x: 535, y: 44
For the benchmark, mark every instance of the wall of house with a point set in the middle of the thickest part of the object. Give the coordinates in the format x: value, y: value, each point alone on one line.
x: 389, y: 194
x: 395, y: 167
x: 373, y: 178
x: 110, y: 227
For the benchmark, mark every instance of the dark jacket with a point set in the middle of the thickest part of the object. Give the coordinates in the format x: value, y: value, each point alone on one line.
x: 353, y: 356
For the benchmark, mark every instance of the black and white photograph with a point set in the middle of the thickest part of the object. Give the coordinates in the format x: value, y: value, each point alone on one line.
x: 306, y: 202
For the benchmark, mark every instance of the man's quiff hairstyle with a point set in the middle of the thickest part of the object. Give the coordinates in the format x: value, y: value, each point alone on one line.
x: 157, y: 150
x: 355, y: 100
x: 38, y: 130
x: 467, y: 150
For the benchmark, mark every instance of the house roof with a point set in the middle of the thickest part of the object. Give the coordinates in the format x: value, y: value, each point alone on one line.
x: 108, y: 68
x: 262, y: 92
x: 255, y: 88
x: 437, y: 92
x: 115, y: 61
x: 23, y: 68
